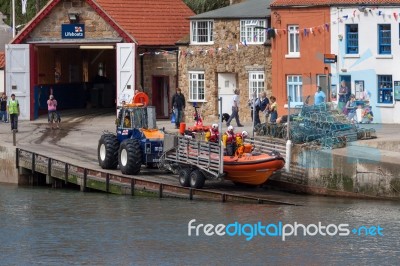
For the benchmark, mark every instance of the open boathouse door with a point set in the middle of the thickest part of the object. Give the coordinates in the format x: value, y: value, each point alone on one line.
x: 18, y: 78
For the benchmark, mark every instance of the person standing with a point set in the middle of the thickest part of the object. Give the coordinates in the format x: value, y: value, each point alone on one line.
x: 255, y: 110
x: 319, y: 96
x: 52, y: 112
x: 178, y: 105
x: 3, y: 108
x: 264, y: 106
x: 273, y: 109
x: 343, y: 95
x: 13, y: 110
x: 235, y: 109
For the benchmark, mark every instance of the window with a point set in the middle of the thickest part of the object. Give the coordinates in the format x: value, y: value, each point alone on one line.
x: 202, y: 31
x: 293, y: 38
x: 385, y: 89
x: 384, y: 33
x: 196, y: 86
x: 249, y: 34
x: 256, y: 83
x: 295, y: 89
x: 352, y: 39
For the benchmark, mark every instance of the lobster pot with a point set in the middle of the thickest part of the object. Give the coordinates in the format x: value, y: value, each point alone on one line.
x: 151, y: 117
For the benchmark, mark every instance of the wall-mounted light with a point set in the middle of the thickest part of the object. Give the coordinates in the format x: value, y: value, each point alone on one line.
x: 340, y: 37
x: 73, y: 18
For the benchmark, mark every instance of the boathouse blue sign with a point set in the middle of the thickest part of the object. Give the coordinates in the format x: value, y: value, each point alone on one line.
x: 73, y: 31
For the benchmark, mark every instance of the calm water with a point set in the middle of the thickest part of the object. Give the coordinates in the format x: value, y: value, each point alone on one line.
x: 53, y: 227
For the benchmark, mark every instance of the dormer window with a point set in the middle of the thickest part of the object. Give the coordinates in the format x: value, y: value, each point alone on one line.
x: 201, y: 32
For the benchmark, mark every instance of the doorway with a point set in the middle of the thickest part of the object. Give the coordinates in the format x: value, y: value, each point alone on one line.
x: 160, y: 95
x: 323, y: 82
x: 226, y: 87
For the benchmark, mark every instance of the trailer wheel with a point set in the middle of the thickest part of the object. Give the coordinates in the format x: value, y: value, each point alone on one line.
x: 130, y: 157
x: 107, y: 151
x: 197, y: 179
x: 184, y: 177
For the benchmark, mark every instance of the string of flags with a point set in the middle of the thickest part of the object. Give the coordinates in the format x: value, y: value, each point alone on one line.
x: 326, y: 26
x: 158, y: 53
x: 273, y: 32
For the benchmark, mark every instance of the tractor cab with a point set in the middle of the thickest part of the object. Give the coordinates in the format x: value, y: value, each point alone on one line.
x: 130, y: 121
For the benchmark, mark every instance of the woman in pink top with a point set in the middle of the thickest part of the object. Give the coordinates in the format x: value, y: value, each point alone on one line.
x: 52, y: 109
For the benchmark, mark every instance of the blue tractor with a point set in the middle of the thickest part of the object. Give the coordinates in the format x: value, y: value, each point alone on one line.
x: 137, y: 142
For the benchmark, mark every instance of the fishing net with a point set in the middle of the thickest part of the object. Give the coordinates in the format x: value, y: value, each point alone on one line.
x: 321, y: 125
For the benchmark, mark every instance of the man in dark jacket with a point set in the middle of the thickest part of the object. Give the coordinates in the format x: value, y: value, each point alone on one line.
x: 178, y: 105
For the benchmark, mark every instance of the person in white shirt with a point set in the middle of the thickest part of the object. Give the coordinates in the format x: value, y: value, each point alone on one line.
x: 235, y: 109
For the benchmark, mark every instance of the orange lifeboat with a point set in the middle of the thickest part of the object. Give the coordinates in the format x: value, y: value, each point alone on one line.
x: 252, y: 169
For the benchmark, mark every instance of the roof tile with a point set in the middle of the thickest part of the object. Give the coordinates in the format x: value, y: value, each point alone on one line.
x: 284, y: 3
x: 150, y: 22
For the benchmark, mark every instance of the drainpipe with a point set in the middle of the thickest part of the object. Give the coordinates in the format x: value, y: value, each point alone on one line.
x: 288, y: 142
x: 177, y: 69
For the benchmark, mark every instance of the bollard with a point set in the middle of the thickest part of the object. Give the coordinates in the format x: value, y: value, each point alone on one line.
x: 14, y: 137
x: 288, y: 155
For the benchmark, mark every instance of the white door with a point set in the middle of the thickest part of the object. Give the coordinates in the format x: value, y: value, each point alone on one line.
x: 226, y: 86
x: 18, y: 76
x: 125, y: 72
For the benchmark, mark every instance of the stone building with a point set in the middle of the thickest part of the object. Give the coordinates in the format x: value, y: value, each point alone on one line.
x: 227, y: 48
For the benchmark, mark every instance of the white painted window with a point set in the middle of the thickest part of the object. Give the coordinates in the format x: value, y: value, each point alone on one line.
x: 201, y: 31
x: 250, y: 34
x: 295, y: 89
x: 293, y: 40
x: 196, y: 86
x: 256, y: 83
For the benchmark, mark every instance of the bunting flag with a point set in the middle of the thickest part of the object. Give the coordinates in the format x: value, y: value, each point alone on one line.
x: 395, y: 16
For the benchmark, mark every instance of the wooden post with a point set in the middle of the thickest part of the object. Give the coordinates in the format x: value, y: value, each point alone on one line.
x: 17, y: 158
x: 108, y: 183
x: 190, y: 193
x: 132, y: 186
x: 160, y: 191
x: 66, y: 168
x: 83, y: 184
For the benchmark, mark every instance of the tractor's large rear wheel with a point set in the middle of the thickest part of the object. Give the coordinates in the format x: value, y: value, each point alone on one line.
x: 107, y: 151
x: 130, y: 157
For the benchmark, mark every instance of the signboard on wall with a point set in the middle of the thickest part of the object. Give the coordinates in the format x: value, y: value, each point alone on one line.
x: 330, y: 58
x: 73, y: 31
x: 397, y: 90
x: 359, y: 89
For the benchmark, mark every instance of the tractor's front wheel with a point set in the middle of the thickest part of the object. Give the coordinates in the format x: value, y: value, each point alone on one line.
x: 130, y: 157
x: 107, y: 151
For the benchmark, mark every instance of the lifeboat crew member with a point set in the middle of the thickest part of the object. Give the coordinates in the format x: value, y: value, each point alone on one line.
x: 212, y: 135
x: 228, y: 140
x: 240, y: 147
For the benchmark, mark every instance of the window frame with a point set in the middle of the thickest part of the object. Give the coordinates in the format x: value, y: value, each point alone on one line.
x: 248, y: 32
x: 385, y: 89
x: 194, y: 27
x: 381, y: 37
x: 197, y: 82
x: 352, y: 43
x: 255, y: 79
x: 298, y: 88
x: 293, y: 30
